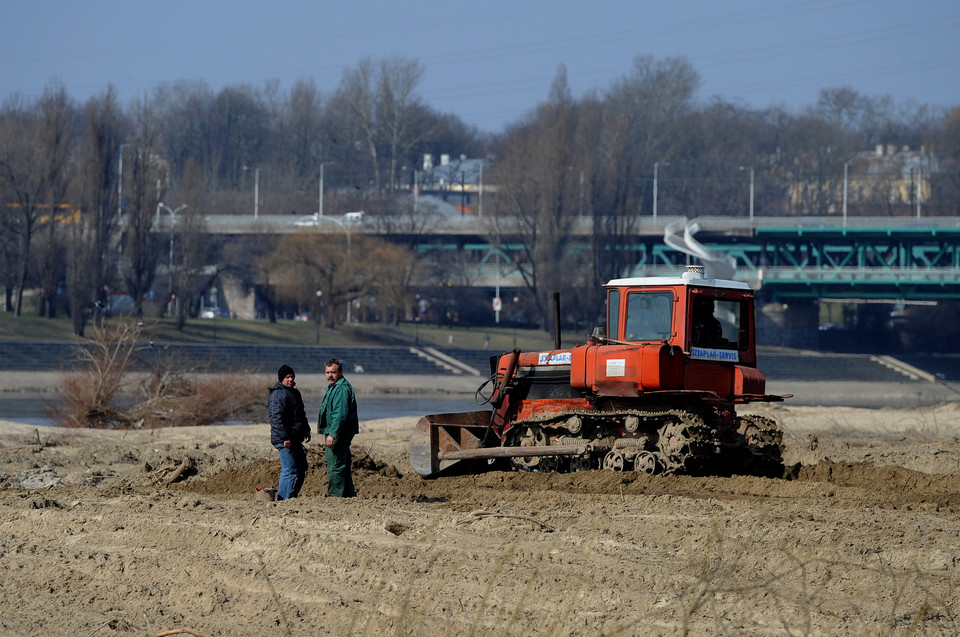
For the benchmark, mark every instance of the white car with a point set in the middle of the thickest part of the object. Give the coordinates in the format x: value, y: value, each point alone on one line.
x: 309, y: 220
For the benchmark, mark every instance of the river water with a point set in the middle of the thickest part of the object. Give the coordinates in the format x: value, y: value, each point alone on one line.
x: 31, y: 409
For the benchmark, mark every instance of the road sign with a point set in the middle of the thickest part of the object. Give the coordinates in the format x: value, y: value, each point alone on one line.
x: 497, y: 304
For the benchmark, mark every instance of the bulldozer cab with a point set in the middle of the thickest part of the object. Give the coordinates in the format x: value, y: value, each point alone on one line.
x: 708, y: 318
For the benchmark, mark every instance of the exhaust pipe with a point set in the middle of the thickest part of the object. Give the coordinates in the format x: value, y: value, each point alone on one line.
x: 556, y: 320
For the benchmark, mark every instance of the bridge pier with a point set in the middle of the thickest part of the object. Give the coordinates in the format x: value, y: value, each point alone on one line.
x: 793, y: 324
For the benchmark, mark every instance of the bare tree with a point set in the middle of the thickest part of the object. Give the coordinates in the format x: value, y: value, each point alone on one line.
x: 24, y: 187
x: 183, y: 112
x: 946, y: 185
x: 842, y: 106
x: 704, y: 175
x: 93, y: 243
x: 652, y: 98
x: 397, y: 109
x: 8, y: 260
x: 239, y: 132
x: 538, y: 201
x: 301, y: 132
x: 81, y: 270
x: 140, y: 245
x: 637, y: 122
x: 50, y: 258
x: 607, y: 193
x: 310, y: 262
x: 356, y: 100
x: 391, y: 272
x: 34, y: 149
x: 380, y: 103
x: 194, y: 264
x: 810, y: 145
x: 57, y: 141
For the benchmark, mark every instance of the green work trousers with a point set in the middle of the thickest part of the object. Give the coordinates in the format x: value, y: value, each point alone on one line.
x: 339, y: 470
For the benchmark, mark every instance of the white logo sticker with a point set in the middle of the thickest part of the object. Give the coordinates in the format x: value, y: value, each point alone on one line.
x: 616, y: 367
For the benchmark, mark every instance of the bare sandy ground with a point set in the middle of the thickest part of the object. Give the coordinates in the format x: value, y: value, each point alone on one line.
x: 146, y: 532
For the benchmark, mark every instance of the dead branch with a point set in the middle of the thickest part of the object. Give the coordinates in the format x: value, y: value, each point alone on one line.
x: 479, y: 515
x: 187, y: 468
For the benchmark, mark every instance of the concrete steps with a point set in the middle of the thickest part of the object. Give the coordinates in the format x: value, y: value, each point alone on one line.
x: 309, y: 359
x: 219, y: 358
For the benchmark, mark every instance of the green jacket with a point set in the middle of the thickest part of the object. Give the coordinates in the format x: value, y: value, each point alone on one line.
x: 338, y: 411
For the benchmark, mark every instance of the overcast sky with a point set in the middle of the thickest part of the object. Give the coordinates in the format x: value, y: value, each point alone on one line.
x: 489, y: 62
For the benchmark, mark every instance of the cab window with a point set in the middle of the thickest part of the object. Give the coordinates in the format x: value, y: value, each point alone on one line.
x: 613, y: 314
x: 717, y: 324
x: 649, y: 316
x: 731, y: 318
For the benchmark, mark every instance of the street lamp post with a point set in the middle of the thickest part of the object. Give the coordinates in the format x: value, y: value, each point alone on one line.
x: 256, y: 191
x: 416, y: 189
x: 846, y: 165
x: 919, y: 183
x: 498, y: 302
x: 173, y: 220
x: 743, y: 168
x: 580, y: 201
x: 656, y: 168
x: 480, y: 191
x: 120, y: 182
x: 516, y: 300
x: 320, y: 208
x: 318, y: 317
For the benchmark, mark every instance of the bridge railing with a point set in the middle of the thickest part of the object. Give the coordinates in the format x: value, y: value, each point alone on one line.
x: 644, y: 225
x: 855, y: 275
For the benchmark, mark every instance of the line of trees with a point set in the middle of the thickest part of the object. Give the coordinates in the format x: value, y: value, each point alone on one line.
x: 201, y: 151
x: 595, y: 157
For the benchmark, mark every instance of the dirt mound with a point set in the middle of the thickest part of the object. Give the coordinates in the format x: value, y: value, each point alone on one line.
x: 888, y: 486
x: 837, y: 483
x: 243, y: 480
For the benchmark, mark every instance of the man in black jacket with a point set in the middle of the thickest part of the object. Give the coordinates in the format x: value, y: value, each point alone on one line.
x: 289, y: 429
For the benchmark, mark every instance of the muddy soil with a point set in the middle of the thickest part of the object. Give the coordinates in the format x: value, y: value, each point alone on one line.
x: 146, y: 532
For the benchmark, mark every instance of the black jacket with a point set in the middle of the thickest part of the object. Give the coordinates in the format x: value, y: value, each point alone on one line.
x: 288, y: 418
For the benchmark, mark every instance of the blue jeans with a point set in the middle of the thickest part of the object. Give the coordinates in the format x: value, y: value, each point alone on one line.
x: 293, y: 470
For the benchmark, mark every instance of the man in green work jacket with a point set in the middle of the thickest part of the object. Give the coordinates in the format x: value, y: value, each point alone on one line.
x: 338, y: 423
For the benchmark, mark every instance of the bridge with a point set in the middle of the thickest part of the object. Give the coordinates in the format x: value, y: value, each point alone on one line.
x: 789, y: 258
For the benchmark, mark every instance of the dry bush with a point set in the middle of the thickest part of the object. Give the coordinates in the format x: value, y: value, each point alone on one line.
x: 91, y: 392
x: 101, y: 392
x: 200, y: 400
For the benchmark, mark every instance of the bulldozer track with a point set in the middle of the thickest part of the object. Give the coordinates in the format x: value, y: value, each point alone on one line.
x: 661, y: 441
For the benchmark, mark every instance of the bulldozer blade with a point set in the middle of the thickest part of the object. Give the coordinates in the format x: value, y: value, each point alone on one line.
x: 439, y: 433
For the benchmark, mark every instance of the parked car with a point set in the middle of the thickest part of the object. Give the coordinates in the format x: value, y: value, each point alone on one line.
x: 309, y: 220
